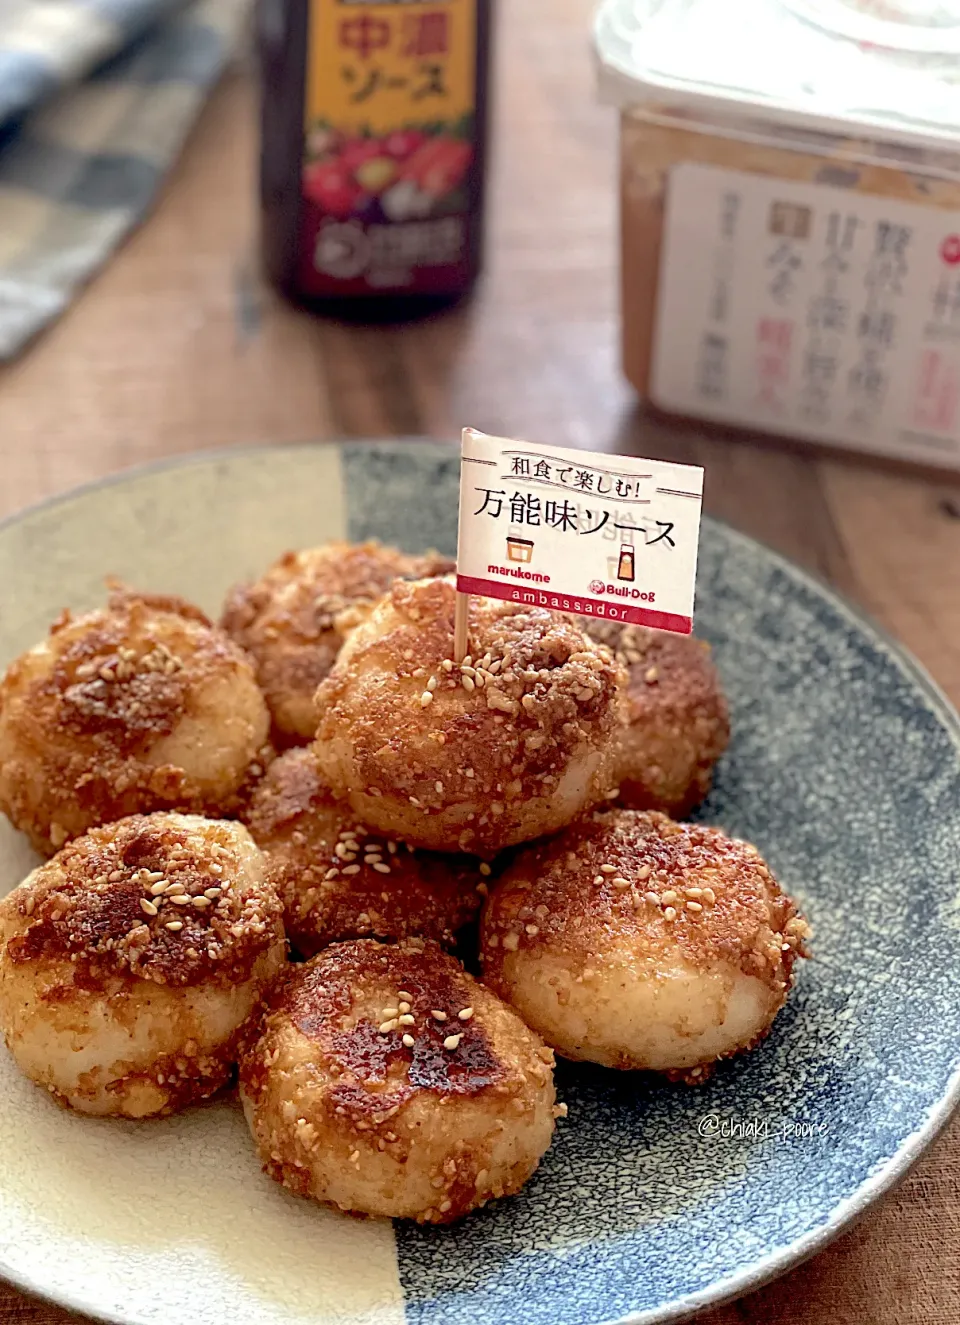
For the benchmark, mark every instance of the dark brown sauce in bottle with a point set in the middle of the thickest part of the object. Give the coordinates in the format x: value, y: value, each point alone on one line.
x: 373, y: 152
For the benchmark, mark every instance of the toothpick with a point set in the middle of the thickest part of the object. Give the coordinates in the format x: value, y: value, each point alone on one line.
x: 460, y: 624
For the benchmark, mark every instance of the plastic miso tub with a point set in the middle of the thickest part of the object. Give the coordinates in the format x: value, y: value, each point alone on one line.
x: 790, y: 215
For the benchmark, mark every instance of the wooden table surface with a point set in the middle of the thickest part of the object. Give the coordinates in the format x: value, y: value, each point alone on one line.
x: 177, y: 346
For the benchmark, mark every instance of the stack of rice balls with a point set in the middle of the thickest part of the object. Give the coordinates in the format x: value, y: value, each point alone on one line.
x: 273, y: 844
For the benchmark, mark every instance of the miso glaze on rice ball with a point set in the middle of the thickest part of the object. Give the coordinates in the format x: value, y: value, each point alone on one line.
x: 637, y: 942
x: 144, y: 706
x: 339, y: 880
x: 389, y: 1082
x: 130, y: 963
x: 293, y: 620
x: 509, y: 745
x: 676, y: 725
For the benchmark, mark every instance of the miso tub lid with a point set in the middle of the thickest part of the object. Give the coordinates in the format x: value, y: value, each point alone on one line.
x: 885, y: 69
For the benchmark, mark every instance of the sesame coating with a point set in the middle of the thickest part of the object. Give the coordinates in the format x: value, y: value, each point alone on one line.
x: 131, y: 899
x: 668, y: 884
x: 512, y: 743
x: 294, y: 619
x: 139, y: 707
x: 433, y: 1128
x: 338, y: 880
x: 677, y: 721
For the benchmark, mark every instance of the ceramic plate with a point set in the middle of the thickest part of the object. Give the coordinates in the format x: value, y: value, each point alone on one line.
x: 654, y: 1199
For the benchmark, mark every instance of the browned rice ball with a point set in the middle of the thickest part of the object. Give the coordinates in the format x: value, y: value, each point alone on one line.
x: 389, y: 1082
x: 292, y: 621
x: 637, y: 942
x: 131, y: 963
x: 339, y: 880
x: 143, y: 706
x: 509, y: 745
x: 677, y: 722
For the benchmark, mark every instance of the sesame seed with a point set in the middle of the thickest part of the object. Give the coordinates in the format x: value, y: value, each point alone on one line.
x: 351, y: 869
x: 380, y: 867
x: 116, y: 876
x: 147, y: 907
x: 644, y: 872
x: 467, y: 682
x: 386, y: 1026
x: 438, y: 1015
x: 426, y: 698
x: 444, y: 1206
x: 438, y: 787
x: 404, y: 1006
x: 409, y: 1041
x: 212, y: 893
x: 447, y: 665
x: 669, y: 896
x: 467, y: 661
x: 389, y: 1012
x: 157, y: 888
x: 608, y: 869
x: 452, y: 1041
x: 709, y: 896
x: 695, y: 893
x: 621, y: 882
x: 650, y: 676
x: 175, y: 889
x: 652, y: 898
x: 485, y: 868
x: 331, y: 874
x: 180, y: 900
x: 598, y: 879
x: 432, y: 683
x: 669, y: 913
x: 402, y: 993
x: 355, y: 1157
x: 694, y: 906
x: 201, y: 903
x: 174, y: 925
x: 407, y: 1019
x: 465, y: 1014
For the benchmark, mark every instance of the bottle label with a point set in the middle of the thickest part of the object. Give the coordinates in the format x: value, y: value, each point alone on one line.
x: 389, y: 169
x: 812, y: 311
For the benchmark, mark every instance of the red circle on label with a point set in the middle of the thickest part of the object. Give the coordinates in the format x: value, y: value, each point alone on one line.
x: 950, y: 250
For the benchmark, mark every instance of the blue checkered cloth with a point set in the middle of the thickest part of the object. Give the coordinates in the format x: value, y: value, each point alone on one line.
x: 96, y: 99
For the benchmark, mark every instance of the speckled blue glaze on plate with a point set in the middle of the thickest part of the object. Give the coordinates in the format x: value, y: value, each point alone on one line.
x: 844, y: 768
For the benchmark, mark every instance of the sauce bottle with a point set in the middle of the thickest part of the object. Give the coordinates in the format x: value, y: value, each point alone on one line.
x: 626, y: 567
x: 374, y: 127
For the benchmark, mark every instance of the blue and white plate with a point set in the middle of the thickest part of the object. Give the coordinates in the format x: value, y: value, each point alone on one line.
x: 655, y: 1199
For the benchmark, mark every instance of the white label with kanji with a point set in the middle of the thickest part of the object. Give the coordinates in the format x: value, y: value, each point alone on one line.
x: 575, y: 531
x: 810, y: 311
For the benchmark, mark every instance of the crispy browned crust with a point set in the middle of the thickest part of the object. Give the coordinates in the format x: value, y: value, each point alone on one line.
x: 364, y: 1080
x: 338, y: 880
x: 84, y: 727
x: 121, y: 596
x: 678, y: 723
x: 291, y: 621
x: 501, y: 728
x: 660, y: 883
x: 97, y: 903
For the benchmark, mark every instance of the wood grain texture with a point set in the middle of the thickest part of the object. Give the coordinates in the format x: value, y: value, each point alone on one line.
x: 177, y: 346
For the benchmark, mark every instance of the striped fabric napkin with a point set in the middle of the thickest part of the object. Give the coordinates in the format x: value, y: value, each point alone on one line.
x: 96, y: 99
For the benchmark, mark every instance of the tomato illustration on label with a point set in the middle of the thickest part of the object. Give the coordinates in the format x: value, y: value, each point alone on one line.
x: 950, y: 250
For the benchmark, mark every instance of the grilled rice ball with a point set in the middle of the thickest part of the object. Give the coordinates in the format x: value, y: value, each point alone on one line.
x: 637, y: 942
x: 387, y: 1081
x: 292, y: 621
x: 130, y: 963
x: 337, y: 880
x: 512, y: 744
x: 677, y: 721
x: 143, y: 706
